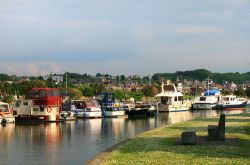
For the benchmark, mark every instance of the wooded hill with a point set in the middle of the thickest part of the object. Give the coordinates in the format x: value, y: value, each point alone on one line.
x: 202, y: 74
x: 198, y: 74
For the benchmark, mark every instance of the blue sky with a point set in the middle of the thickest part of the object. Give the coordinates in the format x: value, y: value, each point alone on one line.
x: 123, y: 36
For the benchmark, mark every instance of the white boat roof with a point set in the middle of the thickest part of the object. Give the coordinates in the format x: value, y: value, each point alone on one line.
x: 234, y: 96
x: 169, y: 94
x: 3, y: 103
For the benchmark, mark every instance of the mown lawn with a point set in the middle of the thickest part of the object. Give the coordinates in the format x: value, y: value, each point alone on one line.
x: 162, y: 145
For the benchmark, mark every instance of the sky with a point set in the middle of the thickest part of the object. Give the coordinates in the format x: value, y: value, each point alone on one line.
x: 124, y: 37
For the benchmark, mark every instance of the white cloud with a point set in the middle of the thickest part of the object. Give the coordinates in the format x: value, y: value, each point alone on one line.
x: 31, y: 68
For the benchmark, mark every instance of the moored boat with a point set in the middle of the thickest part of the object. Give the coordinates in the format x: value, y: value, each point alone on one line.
x: 39, y: 105
x: 86, y: 108
x: 109, y: 106
x: 231, y: 102
x: 6, y: 115
x: 67, y: 115
x: 142, y: 110
x: 207, y: 101
x: 171, y: 100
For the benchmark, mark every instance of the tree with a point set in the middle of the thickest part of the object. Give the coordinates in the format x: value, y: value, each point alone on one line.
x: 119, y: 94
x: 247, y: 92
x: 240, y: 92
x: 136, y: 95
x: 98, y: 75
x: 88, y: 91
x: 149, y: 91
x: 123, y: 78
x: 98, y: 87
x: 8, y: 99
x: 75, y: 93
x: 4, y: 77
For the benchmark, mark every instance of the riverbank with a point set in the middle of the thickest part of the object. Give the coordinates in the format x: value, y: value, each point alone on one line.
x: 163, y: 145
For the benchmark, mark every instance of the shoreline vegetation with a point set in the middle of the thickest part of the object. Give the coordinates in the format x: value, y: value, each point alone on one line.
x: 163, y: 145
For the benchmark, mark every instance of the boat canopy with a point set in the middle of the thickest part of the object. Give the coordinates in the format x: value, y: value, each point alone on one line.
x: 212, y: 92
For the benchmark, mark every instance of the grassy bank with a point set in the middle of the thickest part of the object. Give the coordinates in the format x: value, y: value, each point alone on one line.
x: 162, y: 145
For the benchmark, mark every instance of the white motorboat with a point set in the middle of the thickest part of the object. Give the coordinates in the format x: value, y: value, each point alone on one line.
x: 110, y: 107
x: 171, y: 100
x: 231, y: 102
x: 207, y: 101
x: 86, y: 108
x: 6, y: 116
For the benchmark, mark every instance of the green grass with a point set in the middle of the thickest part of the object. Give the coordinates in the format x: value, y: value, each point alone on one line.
x: 162, y: 145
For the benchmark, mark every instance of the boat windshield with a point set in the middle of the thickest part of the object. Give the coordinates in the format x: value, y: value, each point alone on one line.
x: 100, y: 97
x: 91, y: 103
x: 166, y: 100
x: 105, y: 97
x: 79, y: 104
x: 18, y: 103
x: 202, y: 98
x: 41, y: 93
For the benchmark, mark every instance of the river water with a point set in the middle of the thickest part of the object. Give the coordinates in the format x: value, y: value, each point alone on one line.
x: 76, y: 142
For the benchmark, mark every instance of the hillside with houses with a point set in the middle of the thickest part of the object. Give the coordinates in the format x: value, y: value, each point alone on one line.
x: 78, y: 85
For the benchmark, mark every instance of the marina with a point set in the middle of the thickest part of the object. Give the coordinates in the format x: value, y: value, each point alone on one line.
x: 76, y: 142
x: 124, y: 82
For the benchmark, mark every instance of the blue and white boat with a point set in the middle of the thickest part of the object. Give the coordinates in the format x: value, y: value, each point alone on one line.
x: 207, y: 101
x: 110, y: 107
x: 231, y: 102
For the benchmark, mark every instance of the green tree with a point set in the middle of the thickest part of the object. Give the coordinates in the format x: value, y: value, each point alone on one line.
x: 4, y: 77
x: 247, y: 92
x: 123, y: 78
x: 149, y: 91
x: 240, y: 92
x: 98, y: 75
x: 75, y: 93
x: 98, y: 87
x: 119, y: 94
x: 136, y: 95
x: 88, y: 91
x: 8, y: 99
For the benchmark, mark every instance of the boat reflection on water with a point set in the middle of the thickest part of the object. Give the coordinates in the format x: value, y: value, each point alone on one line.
x: 6, y: 135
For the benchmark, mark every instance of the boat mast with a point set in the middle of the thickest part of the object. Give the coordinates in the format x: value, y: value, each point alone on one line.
x: 208, y: 85
x: 66, y: 83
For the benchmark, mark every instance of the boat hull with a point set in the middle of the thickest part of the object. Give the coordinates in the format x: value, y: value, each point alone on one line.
x: 92, y: 114
x: 166, y: 108
x: 9, y: 119
x: 36, y: 118
x: 203, y: 106
x: 114, y: 113
x: 232, y: 107
x: 137, y: 113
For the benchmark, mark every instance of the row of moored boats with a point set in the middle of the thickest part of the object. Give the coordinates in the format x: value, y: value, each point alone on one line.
x: 45, y: 105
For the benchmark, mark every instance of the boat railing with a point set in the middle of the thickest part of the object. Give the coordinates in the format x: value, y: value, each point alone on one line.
x: 112, y: 106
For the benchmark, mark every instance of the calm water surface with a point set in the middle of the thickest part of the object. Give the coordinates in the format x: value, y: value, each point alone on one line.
x: 75, y: 142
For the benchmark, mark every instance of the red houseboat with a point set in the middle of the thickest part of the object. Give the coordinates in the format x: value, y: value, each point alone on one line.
x: 39, y: 105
